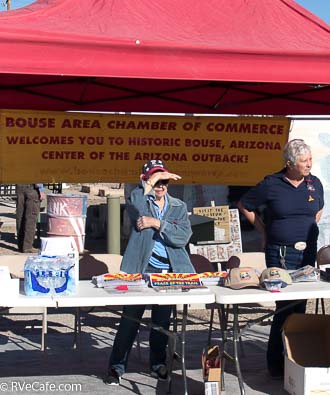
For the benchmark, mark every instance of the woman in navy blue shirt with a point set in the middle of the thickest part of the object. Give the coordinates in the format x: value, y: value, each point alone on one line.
x: 293, y: 200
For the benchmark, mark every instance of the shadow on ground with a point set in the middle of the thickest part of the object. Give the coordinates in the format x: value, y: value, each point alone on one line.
x: 87, y: 365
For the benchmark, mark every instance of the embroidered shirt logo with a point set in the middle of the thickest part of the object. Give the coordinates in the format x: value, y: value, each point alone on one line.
x: 310, y: 186
x: 310, y: 198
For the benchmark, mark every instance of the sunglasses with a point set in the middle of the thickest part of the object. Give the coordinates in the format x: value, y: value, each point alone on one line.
x: 161, y: 183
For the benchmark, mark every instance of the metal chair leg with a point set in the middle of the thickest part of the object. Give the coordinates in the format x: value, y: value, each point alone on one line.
x: 317, y: 306
x: 322, y: 305
x: 176, y: 354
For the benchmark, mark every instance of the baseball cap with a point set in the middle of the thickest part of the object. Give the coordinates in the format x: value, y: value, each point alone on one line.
x: 242, y: 277
x: 151, y: 167
x: 275, y: 273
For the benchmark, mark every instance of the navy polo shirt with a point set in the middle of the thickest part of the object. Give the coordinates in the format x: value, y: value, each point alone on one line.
x: 290, y: 211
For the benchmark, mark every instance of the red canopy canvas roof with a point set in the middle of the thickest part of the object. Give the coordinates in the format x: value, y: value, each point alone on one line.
x: 218, y: 56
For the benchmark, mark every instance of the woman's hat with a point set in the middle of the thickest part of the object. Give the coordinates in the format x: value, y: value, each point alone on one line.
x: 242, y: 277
x: 276, y: 273
x: 151, y: 167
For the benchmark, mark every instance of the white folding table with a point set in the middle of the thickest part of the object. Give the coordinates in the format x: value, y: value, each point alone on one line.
x: 17, y: 298
x: 12, y: 295
x: 89, y: 296
x: 226, y: 296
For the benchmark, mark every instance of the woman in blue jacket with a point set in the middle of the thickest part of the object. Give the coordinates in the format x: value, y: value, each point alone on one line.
x: 160, y: 232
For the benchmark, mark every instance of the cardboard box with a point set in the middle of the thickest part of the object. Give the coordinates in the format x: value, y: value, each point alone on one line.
x: 211, y: 366
x: 307, y: 362
x: 61, y: 246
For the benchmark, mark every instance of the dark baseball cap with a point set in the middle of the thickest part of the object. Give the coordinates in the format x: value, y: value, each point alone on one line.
x: 151, y: 167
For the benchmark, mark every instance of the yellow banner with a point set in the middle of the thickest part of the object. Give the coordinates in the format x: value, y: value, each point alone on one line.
x: 54, y: 147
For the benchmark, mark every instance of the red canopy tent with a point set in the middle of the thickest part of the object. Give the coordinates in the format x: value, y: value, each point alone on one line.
x: 187, y: 56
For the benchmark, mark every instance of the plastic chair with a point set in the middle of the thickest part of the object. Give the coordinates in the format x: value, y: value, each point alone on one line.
x: 322, y: 259
x: 248, y: 259
x: 201, y: 264
x: 96, y: 264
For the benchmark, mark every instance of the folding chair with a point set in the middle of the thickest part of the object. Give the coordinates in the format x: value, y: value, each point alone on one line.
x: 322, y: 259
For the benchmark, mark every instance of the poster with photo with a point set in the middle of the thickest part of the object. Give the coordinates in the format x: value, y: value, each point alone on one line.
x: 221, y: 252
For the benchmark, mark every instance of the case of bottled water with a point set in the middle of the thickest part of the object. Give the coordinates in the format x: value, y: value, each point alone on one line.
x: 50, y: 275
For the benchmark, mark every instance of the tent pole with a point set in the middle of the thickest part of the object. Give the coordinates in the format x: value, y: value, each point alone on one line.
x: 113, y: 225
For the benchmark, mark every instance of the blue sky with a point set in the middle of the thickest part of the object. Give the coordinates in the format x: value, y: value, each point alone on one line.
x: 321, y: 8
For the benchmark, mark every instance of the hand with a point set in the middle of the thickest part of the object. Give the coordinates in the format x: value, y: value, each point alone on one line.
x: 42, y: 196
x: 163, y: 175
x: 145, y: 222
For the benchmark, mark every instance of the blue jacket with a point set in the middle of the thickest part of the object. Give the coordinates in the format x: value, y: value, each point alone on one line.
x: 175, y: 230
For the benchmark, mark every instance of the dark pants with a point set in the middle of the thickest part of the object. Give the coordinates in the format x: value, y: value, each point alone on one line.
x: 27, y: 211
x: 293, y: 260
x: 127, y: 331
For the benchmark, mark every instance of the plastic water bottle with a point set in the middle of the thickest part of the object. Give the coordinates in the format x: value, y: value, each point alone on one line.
x: 42, y: 273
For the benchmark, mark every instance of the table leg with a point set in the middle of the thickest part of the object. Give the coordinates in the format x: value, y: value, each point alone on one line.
x: 211, y: 326
x: 223, y: 318
x: 44, y: 330
x: 172, y: 351
x: 172, y: 343
x: 77, y: 329
x: 183, y: 347
x: 236, y: 333
x: 236, y: 336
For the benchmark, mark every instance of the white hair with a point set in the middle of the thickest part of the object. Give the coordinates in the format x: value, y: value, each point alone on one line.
x: 294, y: 149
